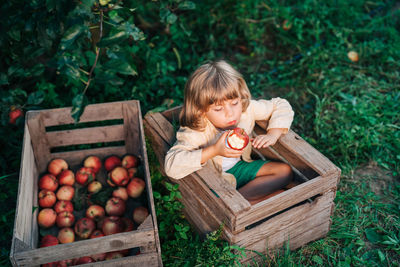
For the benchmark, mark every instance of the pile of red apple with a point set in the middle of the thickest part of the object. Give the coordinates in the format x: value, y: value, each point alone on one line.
x: 58, y: 187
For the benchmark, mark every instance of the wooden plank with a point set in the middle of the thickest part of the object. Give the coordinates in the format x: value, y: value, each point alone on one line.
x: 172, y: 114
x: 286, y: 199
x: 313, y: 234
x: 148, y: 259
x: 77, y: 156
x: 162, y: 127
x: 159, y: 146
x: 90, y: 135
x: 131, y: 127
x: 85, y: 247
x: 94, y: 112
x: 40, y: 144
x: 282, y: 222
x: 149, y: 187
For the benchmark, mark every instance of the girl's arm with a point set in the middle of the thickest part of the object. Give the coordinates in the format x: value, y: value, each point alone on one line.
x: 219, y: 149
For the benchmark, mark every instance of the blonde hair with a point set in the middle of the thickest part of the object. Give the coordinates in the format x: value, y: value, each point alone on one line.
x: 211, y: 83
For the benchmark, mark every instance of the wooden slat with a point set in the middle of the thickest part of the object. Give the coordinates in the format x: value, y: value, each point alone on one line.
x: 77, y: 156
x: 132, y: 128
x: 162, y: 127
x: 172, y: 114
x: 159, y: 146
x: 286, y: 199
x: 148, y: 259
x: 284, y: 220
x: 90, y: 135
x: 85, y: 247
x: 148, y: 184
x: 94, y: 112
x: 40, y: 144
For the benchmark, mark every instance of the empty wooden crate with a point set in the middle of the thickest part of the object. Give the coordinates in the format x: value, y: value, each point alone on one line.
x: 105, y: 129
x: 297, y: 215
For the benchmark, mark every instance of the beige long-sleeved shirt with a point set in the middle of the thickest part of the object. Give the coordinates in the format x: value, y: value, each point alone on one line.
x: 184, y: 157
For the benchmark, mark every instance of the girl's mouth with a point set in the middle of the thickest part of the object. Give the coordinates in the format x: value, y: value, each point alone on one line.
x: 232, y: 122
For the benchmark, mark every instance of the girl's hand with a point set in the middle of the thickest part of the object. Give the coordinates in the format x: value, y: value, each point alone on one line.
x: 265, y: 140
x: 222, y: 150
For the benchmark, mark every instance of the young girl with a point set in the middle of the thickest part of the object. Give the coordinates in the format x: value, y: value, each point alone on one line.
x: 216, y: 100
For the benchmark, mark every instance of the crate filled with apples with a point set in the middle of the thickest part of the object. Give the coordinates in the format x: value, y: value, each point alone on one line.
x: 91, y: 205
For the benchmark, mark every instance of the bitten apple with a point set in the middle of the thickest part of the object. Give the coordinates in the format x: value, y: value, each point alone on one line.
x: 66, y: 177
x: 119, y: 176
x: 65, y: 219
x: 135, y: 187
x: 84, y: 175
x: 111, y: 162
x: 237, y: 139
x: 130, y: 161
x: 140, y: 214
x: 47, y: 198
x: 49, y: 182
x: 63, y: 205
x: 93, y: 162
x: 65, y: 192
x: 84, y: 227
x: 56, y: 166
x: 66, y: 235
x: 115, y: 206
x: 47, y: 218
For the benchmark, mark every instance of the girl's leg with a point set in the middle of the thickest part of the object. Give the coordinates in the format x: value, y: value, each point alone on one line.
x: 271, y: 177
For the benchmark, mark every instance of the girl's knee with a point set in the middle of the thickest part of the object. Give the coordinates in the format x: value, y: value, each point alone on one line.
x: 285, y: 170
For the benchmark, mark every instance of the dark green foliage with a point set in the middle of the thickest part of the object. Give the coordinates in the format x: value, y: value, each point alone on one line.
x: 58, y: 53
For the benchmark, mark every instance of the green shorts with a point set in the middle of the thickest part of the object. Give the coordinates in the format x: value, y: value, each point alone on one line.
x: 245, y: 172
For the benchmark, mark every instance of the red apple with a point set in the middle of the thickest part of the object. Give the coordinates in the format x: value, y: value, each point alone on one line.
x: 132, y: 172
x: 66, y: 235
x: 135, y: 187
x: 14, y: 114
x: 139, y: 215
x: 286, y: 25
x: 115, y: 206
x: 109, y: 180
x: 56, y: 166
x: 65, y: 192
x: 66, y: 177
x: 65, y: 263
x: 94, y: 187
x: 49, y: 182
x: 51, y: 264
x: 353, y: 56
x: 96, y: 233
x: 111, y: 162
x: 48, y: 240
x: 112, y: 225
x: 119, y: 176
x: 237, y: 139
x: 121, y: 193
x: 84, y: 227
x: 47, y: 218
x: 65, y: 219
x: 93, y: 162
x: 84, y: 175
x: 63, y: 205
x: 130, y: 161
x: 47, y: 198
x: 114, y: 255
x: 128, y: 224
x: 95, y: 212
x: 84, y: 260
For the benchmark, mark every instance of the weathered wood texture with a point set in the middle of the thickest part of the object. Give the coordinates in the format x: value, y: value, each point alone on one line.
x: 37, y: 147
x: 298, y: 215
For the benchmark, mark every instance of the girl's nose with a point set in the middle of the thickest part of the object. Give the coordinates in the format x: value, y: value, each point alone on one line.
x: 228, y: 112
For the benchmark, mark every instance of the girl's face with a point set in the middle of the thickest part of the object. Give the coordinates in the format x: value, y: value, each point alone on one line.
x: 225, y: 115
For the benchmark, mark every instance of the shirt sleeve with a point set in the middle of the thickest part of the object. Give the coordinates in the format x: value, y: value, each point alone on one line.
x: 184, y: 157
x: 277, y: 111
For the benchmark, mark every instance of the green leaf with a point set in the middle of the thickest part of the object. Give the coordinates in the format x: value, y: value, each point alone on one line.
x: 35, y: 98
x: 372, y: 235
x: 113, y: 39
x: 71, y: 34
x: 171, y: 18
x: 381, y: 256
x: 120, y: 66
x: 187, y: 5
x: 78, y: 106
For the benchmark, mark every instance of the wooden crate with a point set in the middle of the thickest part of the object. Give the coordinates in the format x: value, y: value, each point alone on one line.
x: 297, y: 215
x: 38, y: 146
